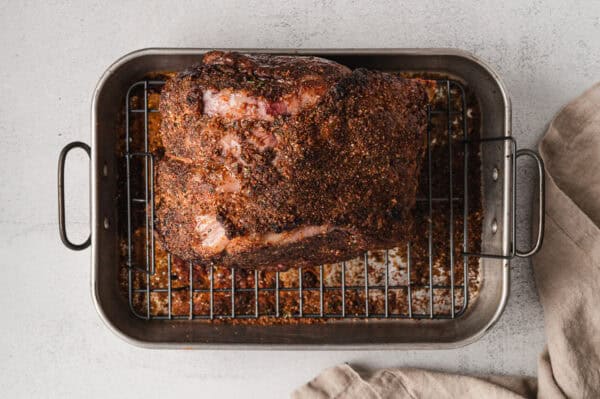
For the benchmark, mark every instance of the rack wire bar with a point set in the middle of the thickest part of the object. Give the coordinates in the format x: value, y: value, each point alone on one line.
x: 343, y: 288
x: 300, y: 293
x: 212, y: 293
x: 465, y: 244
x: 430, y: 211
x: 191, y: 291
x: 277, y: 294
x: 450, y: 203
x: 367, y: 284
x: 321, y: 289
x: 306, y: 289
x: 340, y: 292
x: 408, y: 280
x: 232, y: 293
x: 387, y: 282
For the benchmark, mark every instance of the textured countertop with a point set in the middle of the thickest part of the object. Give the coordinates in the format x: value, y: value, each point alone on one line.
x: 52, y: 343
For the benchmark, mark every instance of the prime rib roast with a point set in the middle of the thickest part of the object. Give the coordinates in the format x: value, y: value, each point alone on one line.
x: 272, y: 161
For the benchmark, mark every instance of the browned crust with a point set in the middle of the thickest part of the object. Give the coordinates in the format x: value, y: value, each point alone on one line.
x: 352, y: 162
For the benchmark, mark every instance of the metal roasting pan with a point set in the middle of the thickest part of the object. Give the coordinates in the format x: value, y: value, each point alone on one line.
x: 498, y: 153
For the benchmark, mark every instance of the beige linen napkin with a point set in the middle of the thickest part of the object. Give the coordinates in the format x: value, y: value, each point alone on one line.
x: 567, y: 273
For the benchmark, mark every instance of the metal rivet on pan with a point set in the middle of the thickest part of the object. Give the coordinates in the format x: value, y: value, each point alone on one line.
x: 106, y: 223
x: 105, y: 170
x: 495, y: 174
x: 494, y: 226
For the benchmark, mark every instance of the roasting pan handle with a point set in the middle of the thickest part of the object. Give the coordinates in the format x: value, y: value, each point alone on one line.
x: 542, y: 202
x: 62, y: 228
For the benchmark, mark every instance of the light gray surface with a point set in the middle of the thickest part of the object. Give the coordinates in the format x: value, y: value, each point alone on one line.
x: 53, y: 344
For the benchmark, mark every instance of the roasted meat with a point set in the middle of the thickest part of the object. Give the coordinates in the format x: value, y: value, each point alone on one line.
x: 279, y: 161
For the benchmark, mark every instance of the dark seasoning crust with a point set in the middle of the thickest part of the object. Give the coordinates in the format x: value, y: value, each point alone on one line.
x: 289, y: 303
x: 328, y: 160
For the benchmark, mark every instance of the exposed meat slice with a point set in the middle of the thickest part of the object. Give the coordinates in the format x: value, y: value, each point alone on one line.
x: 274, y: 162
x: 211, y: 232
x: 235, y: 105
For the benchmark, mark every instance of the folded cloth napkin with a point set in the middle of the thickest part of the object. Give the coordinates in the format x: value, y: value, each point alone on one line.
x: 567, y: 273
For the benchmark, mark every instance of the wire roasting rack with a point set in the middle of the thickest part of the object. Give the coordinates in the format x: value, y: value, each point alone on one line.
x: 428, y: 291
